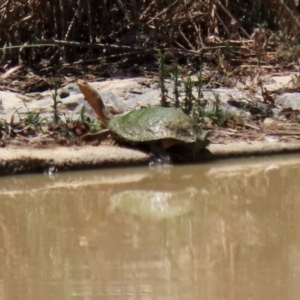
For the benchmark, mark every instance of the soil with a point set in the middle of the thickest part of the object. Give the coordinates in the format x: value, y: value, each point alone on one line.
x: 28, y: 160
x: 58, y: 158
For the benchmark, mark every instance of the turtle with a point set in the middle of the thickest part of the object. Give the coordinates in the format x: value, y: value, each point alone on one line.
x: 159, y: 128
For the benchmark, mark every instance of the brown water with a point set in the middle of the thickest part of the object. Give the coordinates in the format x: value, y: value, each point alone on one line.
x: 225, y: 230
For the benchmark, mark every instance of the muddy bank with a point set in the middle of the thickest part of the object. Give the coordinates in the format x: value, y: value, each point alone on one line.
x: 18, y: 161
x: 267, y: 128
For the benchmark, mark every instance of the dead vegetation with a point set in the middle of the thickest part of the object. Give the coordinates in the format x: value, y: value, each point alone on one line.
x: 234, y: 40
x: 46, y: 34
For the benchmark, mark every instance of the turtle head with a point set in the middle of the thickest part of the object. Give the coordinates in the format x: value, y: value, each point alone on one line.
x: 95, y: 101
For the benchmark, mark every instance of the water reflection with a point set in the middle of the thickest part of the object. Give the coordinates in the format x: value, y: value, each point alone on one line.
x: 216, y: 231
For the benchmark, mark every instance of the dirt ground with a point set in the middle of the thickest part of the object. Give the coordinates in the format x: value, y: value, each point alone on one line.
x: 28, y: 160
x: 58, y: 158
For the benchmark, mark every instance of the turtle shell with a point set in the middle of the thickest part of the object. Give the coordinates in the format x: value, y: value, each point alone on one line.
x: 154, y: 124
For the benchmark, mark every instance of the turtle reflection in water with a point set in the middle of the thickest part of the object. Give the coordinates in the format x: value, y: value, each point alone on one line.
x: 160, y: 128
x: 153, y: 204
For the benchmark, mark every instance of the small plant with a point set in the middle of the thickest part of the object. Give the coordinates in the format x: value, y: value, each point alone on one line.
x: 94, y: 125
x: 260, y: 42
x: 217, y: 114
x: 56, y: 102
x: 175, y: 76
x: 199, y: 84
x: 2, y: 124
x: 189, y: 99
x: 68, y: 120
x: 288, y: 52
x: 199, y: 107
x: 82, y: 115
x: 228, y: 51
x: 32, y: 117
x: 191, y: 104
x: 161, y: 56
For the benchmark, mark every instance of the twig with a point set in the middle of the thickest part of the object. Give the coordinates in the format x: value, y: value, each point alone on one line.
x: 122, y: 7
x: 162, y: 12
x: 251, y: 126
x: 86, y: 45
x: 90, y: 21
x: 121, y: 47
x: 291, y: 14
x: 62, y: 18
x: 185, y: 38
x: 232, y: 17
x: 282, y: 133
x: 143, y: 14
x: 73, y: 20
x: 10, y: 71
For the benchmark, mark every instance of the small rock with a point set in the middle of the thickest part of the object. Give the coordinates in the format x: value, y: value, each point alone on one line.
x: 151, y: 98
x: 268, y: 122
x: 64, y: 94
x: 282, y: 80
x: 69, y: 89
x: 276, y: 112
x: 289, y: 100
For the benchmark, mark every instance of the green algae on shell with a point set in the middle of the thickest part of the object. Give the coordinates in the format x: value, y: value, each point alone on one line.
x: 168, y: 125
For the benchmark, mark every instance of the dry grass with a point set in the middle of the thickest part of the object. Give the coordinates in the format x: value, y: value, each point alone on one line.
x: 95, y: 29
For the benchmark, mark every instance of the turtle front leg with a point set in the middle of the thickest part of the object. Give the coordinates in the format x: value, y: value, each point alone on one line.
x: 98, y: 137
